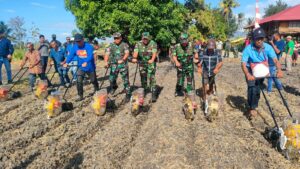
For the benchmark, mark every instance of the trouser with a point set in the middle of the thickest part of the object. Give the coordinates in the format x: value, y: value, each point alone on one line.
x: 7, y: 65
x: 147, y: 71
x: 73, y: 69
x: 63, y: 75
x: 185, y: 72
x: 32, y: 78
x: 288, y: 63
x: 80, y: 76
x: 254, y: 93
x: 273, y: 73
x: 44, y: 61
x: 226, y: 53
x: 115, y: 69
x: 295, y: 56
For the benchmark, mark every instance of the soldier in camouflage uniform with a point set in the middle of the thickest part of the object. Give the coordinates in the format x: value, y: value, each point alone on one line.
x: 145, y: 53
x: 183, y: 58
x: 116, y: 54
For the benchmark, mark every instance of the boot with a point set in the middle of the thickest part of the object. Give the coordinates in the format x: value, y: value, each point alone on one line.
x: 1, y: 83
x: 178, y: 91
x: 112, y: 88
x: 154, y: 95
x: 9, y: 82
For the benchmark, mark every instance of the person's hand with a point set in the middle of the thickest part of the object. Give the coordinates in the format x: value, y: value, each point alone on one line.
x: 199, y: 70
x: 62, y: 63
x: 150, y: 61
x: 30, y: 66
x: 134, y: 60
x: 9, y: 57
x: 216, y: 71
x: 279, y: 74
x: 65, y: 65
x: 84, y: 64
x: 196, y: 60
x: 21, y: 65
x: 250, y: 77
x: 106, y: 65
x: 120, y: 61
x: 178, y: 64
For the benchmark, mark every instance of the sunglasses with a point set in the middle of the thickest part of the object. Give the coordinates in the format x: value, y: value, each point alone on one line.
x: 117, y: 38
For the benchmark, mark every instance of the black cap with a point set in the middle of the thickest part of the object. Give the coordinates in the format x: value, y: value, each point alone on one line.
x: 53, y: 36
x: 42, y: 36
x: 78, y: 37
x: 258, y: 33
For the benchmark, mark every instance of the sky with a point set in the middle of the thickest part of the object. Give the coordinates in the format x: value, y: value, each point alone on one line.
x: 52, y: 18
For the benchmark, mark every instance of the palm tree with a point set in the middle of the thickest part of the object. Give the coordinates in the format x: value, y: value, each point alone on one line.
x: 226, y: 6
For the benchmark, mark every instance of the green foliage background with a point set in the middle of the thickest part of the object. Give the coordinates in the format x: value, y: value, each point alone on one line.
x: 164, y: 19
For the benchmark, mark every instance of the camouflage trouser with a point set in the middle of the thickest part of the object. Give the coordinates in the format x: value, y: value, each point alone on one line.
x: 147, y: 71
x: 115, y: 69
x: 185, y: 72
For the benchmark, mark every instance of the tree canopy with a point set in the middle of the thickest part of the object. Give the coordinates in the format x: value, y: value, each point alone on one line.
x: 164, y: 19
x: 275, y: 8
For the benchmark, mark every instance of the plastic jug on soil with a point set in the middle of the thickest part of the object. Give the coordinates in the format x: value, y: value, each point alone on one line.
x: 53, y: 105
x: 190, y: 105
x: 137, y: 100
x: 41, y: 89
x: 4, y: 93
x: 100, y: 102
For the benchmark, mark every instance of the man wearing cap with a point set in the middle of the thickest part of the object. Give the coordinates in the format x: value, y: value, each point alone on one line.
x: 145, y: 53
x: 116, y: 57
x: 257, y: 54
x: 183, y: 57
x: 54, y: 39
x: 210, y: 63
x: 289, y: 49
x: 6, y: 51
x: 86, y: 64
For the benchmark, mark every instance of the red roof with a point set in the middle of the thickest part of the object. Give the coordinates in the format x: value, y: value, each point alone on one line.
x: 290, y: 14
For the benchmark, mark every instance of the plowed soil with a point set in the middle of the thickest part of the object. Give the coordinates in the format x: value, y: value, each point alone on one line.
x: 159, y: 137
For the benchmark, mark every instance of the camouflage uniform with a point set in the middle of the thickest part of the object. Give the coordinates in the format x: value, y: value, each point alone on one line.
x: 147, y: 71
x: 185, y: 58
x: 115, y: 53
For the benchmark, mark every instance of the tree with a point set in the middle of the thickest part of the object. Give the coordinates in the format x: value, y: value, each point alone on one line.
x: 18, y: 30
x: 74, y: 32
x: 273, y: 9
x: 226, y: 6
x: 34, y: 32
x: 5, y: 28
x: 163, y: 19
x: 194, y: 5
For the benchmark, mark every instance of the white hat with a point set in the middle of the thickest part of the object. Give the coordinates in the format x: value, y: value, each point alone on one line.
x: 289, y: 37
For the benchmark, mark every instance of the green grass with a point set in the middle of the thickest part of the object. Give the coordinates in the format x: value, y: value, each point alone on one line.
x: 19, y: 54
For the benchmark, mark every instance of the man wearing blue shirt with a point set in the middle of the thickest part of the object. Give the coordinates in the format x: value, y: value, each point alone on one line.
x: 74, y: 61
x: 57, y: 54
x: 86, y: 64
x: 257, y: 52
x: 6, y: 51
x: 278, y: 45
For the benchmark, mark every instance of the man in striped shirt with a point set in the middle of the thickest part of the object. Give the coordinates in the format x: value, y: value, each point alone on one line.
x: 210, y: 63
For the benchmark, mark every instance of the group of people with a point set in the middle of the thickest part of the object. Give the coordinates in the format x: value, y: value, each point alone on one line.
x: 78, y: 55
